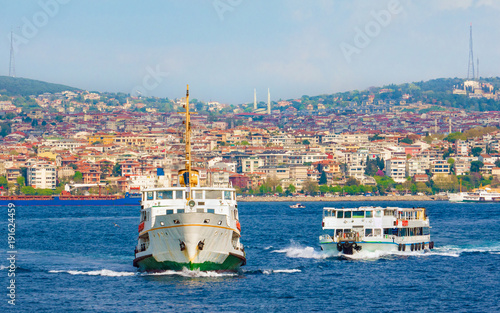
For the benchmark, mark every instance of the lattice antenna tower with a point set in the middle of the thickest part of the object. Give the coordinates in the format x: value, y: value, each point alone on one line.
x: 12, y: 64
x: 470, y: 69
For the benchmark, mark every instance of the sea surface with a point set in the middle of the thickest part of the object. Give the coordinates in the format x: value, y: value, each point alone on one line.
x: 79, y: 259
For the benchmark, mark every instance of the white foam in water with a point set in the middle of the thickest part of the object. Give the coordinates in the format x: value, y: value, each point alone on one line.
x: 191, y: 273
x: 3, y: 267
x: 102, y: 272
x: 297, y: 251
x: 286, y: 271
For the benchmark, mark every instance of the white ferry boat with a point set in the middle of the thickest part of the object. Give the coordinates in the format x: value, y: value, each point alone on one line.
x: 480, y: 195
x: 347, y: 231
x: 189, y: 226
x: 297, y: 206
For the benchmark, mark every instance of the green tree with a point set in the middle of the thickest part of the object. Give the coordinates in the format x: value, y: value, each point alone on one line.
x: 475, y: 166
x: 322, y: 179
x: 291, y: 188
x: 310, y: 186
x: 78, y: 177
x: 324, y: 188
x: 117, y: 170
x: 476, y: 151
x: 3, y: 183
x: 20, y: 181
x: 305, y: 142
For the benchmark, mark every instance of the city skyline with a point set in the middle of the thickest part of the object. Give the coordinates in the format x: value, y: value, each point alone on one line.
x: 226, y: 49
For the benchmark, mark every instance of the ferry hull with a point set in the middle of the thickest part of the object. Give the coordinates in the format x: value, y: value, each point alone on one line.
x: 201, y: 241
x: 150, y: 264
x: 343, y: 248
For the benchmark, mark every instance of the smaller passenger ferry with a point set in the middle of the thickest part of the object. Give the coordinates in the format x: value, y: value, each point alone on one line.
x: 347, y: 231
x: 479, y: 195
x: 297, y: 206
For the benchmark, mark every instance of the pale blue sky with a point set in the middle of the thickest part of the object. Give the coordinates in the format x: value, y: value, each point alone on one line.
x: 226, y: 48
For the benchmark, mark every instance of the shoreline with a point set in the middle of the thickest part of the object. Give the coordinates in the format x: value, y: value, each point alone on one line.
x: 341, y: 199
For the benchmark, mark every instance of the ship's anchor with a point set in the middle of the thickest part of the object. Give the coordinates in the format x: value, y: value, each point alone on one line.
x: 201, y: 244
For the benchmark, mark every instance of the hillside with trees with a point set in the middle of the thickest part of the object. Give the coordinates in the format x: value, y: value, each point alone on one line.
x: 16, y: 86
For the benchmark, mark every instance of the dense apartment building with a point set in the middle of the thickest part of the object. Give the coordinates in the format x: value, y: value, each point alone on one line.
x: 42, y: 176
x: 396, y: 169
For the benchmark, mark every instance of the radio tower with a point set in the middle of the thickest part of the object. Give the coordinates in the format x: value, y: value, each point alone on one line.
x: 12, y: 65
x: 471, y: 58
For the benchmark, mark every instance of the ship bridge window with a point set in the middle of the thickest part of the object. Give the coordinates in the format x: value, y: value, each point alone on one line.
x: 338, y: 232
x: 198, y: 194
x: 368, y: 232
x: 369, y: 213
x: 358, y: 214
x: 347, y: 214
x: 377, y: 232
x: 426, y: 231
x: 180, y: 210
x: 340, y: 214
x: 149, y: 195
x: 169, y: 212
x: 178, y: 194
x: 227, y: 195
x: 165, y: 194
x: 213, y: 194
x: 378, y: 213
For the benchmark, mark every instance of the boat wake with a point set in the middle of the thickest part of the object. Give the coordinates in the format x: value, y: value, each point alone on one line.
x: 103, y: 272
x: 297, y: 251
x: 447, y: 251
x: 183, y: 273
x: 191, y: 273
x: 457, y: 251
x: 270, y: 272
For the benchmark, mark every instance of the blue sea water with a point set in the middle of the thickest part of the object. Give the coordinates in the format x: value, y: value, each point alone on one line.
x: 75, y: 259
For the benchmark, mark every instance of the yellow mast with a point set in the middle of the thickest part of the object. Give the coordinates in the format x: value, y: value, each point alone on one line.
x: 187, y: 176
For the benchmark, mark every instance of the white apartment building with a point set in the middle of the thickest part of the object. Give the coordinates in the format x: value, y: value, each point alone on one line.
x: 440, y: 167
x: 462, y: 167
x: 251, y: 164
x: 306, y: 157
x: 42, y: 176
x: 416, y: 166
x: 356, y: 171
x: 396, y: 169
x: 461, y: 147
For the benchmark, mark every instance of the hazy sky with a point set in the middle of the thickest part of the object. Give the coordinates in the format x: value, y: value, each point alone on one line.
x: 226, y: 48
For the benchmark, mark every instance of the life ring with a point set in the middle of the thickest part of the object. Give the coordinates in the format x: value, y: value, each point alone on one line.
x: 238, y: 225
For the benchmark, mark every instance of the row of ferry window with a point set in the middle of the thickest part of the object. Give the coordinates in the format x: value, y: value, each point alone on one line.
x: 195, y: 194
x: 400, y: 232
x: 145, y: 214
x: 353, y: 214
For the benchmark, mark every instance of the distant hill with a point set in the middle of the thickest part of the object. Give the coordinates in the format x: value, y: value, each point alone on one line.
x: 16, y: 86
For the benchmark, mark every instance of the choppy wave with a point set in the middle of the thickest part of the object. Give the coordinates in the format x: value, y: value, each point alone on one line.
x: 304, y: 252
x: 103, y: 272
